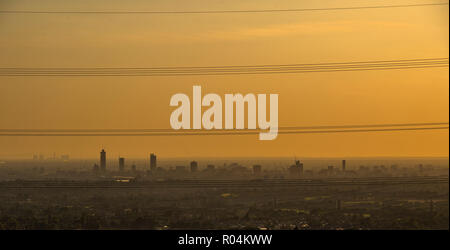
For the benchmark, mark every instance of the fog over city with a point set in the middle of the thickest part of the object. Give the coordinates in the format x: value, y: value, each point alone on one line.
x: 57, y: 192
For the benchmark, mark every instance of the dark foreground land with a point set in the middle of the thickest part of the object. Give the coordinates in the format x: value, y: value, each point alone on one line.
x: 364, y: 203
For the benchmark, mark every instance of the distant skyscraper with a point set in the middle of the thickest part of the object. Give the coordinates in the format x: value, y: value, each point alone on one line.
x: 297, y: 169
x: 194, y: 166
x: 152, y: 162
x: 343, y: 165
x: 121, y: 164
x: 103, y: 160
x: 299, y: 166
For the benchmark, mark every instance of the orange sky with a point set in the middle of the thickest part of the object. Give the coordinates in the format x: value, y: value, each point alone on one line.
x: 367, y: 97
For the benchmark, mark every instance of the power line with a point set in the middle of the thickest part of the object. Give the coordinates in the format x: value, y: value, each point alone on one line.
x: 329, y: 64
x: 230, y: 70
x: 226, y: 73
x: 234, y: 66
x: 126, y: 12
x: 411, y: 62
x: 367, y: 126
x: 147, y: 130
x: 234, y: 132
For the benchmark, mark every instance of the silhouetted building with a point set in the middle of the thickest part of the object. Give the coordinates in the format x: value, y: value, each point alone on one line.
x: 297, y: 169
x: 133, y: 168
x: 210, y: 167
x: 103, y: 160
x: 256, y: 169
x: 152, y: 162
x: 299, y: 166
x: 343, y: 165
x: 194, y: 166
x: 121, y: 164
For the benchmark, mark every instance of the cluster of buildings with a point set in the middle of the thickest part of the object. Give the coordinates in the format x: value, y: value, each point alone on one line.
x: 193, y: 166
x: 296, y: 170
x: 102, y: 167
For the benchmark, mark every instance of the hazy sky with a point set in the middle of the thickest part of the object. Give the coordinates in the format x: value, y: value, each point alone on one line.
x: 365, y: 97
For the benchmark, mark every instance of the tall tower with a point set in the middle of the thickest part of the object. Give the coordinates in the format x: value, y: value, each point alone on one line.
x: 343, y: 165
x: 194, y: 166
x: 299, y: 165
x: 152, y: 162
x: 103, y: 160
x: 121, y: 164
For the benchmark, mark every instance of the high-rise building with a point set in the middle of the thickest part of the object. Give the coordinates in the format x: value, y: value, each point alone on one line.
x: 152, y: 162
x: 297, y: 169
x: 299, y: 166
x: 103, y: 160
x: 343, y: 165
x: 121, y: 164
x: 194, y: 166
